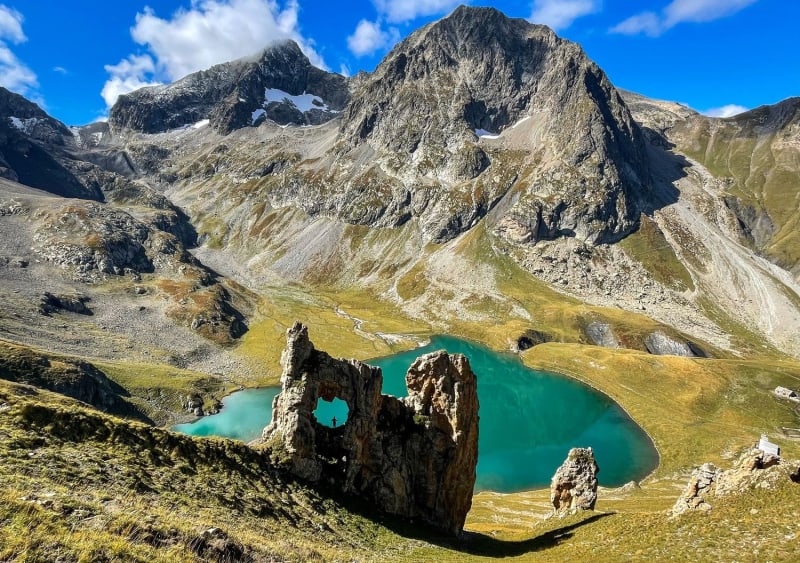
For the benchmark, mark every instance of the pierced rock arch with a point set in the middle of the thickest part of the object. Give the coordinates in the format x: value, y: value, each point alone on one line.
x: 414, y: 457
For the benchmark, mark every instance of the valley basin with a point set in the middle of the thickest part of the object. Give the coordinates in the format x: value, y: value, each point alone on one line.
x: 529, y: 419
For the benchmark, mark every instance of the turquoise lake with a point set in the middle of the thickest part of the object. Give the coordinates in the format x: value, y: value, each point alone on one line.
x: 528, y: 420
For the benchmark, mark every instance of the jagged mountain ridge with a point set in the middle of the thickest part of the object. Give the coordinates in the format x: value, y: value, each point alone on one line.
x: 233, y: 95
x: 547, y: 197
x: 415, y: 121
x: 566, y: 171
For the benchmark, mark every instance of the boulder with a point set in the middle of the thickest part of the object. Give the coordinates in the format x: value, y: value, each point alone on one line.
x: 72, y: 303
x: 574, y: 485
x: 754, y: 468
x: 601, y: 334
x: 660, y: 344
x: 414, y: 457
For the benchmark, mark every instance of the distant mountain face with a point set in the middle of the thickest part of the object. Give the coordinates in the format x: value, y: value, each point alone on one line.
x: 757, y: 156
x: 476, y: 125
x: 468, y: 112
x: 29, y: 140
x: 444, y: 106
x: 280, y: 84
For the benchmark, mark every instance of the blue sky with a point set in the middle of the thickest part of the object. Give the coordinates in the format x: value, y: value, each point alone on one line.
x: 74, y: 57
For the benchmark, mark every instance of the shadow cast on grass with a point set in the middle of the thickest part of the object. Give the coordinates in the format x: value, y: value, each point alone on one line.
x: 475, y: 543
x: 480, y: 544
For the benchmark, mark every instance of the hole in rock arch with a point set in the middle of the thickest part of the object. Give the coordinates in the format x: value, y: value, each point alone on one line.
x: 326, y: 411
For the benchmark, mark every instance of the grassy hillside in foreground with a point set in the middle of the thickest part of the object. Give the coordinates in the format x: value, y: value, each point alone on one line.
x: 77, y: 485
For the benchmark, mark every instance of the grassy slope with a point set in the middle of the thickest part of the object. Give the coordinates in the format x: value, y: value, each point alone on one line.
x: 763, y: 172
x: 695, y: 410
x: 105, y: 489
x: 157, y: 391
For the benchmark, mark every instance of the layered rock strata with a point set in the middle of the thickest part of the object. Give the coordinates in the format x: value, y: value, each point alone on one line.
x: 413, y: 457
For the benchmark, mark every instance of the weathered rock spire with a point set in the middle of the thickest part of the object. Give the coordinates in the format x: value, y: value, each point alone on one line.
x: 413, y: 457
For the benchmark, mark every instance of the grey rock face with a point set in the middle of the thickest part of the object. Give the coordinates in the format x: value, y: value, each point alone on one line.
x: 662, y: 345
x: 574, y: 485
x: 756, y: 224
x: 413, y: 457
x: 601, y: 334
x: 232, y: 95
x: 479, y: 70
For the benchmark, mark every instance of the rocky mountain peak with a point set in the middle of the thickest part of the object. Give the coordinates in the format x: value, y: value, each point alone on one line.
x: 23, y: 116
x: 279, y: 83
x: 440, y: 104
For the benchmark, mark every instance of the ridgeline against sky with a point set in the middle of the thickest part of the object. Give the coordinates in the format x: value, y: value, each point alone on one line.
x: 717, y: 56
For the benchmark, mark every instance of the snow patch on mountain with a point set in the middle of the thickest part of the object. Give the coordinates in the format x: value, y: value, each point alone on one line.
x: 484, y: 134
x: 25, y: 125
x: 304, y: 102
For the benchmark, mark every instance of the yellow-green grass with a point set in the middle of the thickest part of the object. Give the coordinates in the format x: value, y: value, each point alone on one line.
x: 650, y: 248
x: 331, y: 331
x: 695, y: 410
x: 160, y: 390
x: 80, y: 485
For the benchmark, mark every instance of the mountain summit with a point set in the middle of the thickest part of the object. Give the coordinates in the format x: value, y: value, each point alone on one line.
x: 236, y: 94
x: 441, y: 98
x: 466, y: 113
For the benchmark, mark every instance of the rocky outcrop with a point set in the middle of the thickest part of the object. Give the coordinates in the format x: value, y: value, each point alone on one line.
x: 413, y: 457
x: 574, y: 485
x: 235, y: 95
x: 660, y: 344
x: 601, y: 334
x: 700, y: 487
x: 755, y: 223
x: 72, y: 303
x: 529, y: 339
x: 754, y: 468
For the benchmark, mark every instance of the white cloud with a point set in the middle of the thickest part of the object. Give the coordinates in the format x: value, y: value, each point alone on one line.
x: 11, y: 25
x: 209, y: 33
x: 725, y: 111
x: 369, y: 37
x: 679, y: 11
x: 14, y: 74
x: 702, y: 10
x: 60, y: 70
x: 399, y: 11
x: 344, y: 70
x: 559, y: 14
x: 648, y: 23
x: 128, y: 75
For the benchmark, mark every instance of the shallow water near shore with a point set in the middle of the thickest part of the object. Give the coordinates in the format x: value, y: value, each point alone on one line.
x: 528, y: 420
